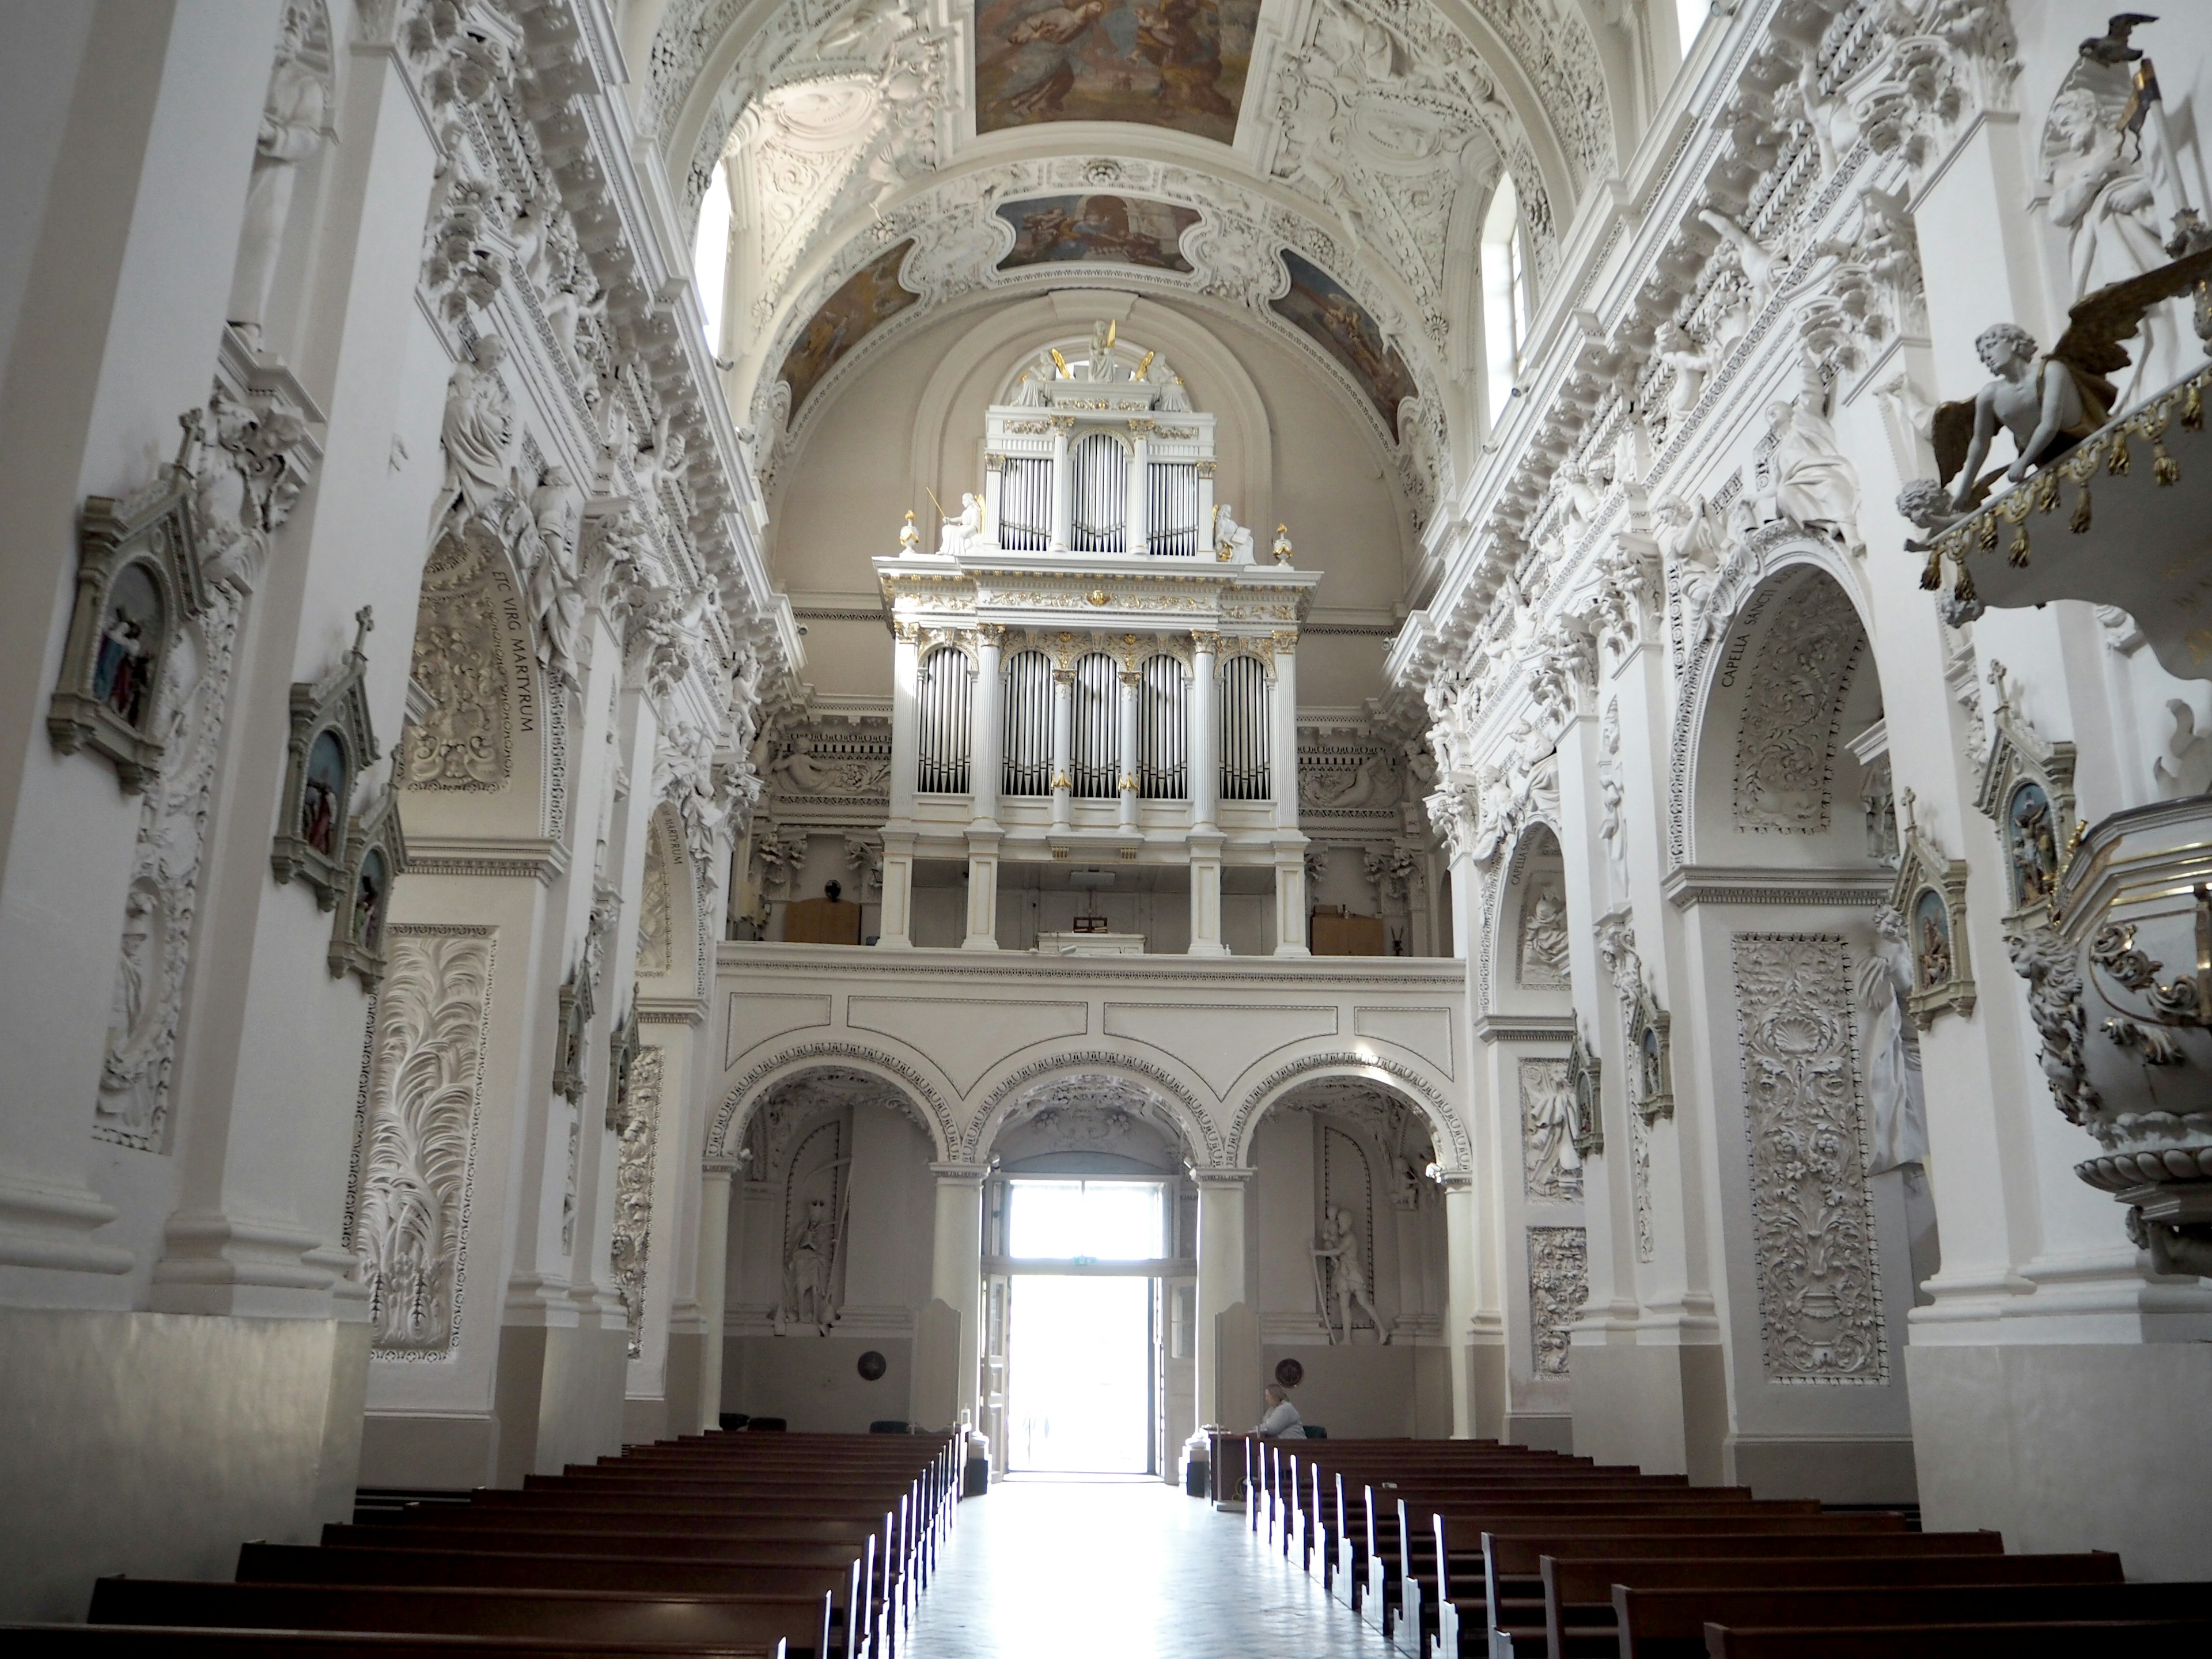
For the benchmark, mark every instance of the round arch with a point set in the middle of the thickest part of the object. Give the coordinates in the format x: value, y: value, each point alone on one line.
x: 1722, y: 638
x: 1194, y: 1108
x: 1411, y: 1082
x: 1501, y: 913
x: 928, y: 1096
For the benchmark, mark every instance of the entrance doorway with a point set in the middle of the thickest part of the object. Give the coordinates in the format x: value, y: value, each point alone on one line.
x: 1081, y: 1361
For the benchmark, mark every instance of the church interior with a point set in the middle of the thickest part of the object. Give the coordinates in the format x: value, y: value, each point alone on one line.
x: 1063, y: 826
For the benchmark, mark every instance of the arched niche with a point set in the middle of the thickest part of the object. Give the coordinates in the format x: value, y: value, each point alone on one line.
x: 483, y: 755
x: 1093, y: 1124
x: 1528, y: 970
x: 1789, y: 694
x: 675, y: 934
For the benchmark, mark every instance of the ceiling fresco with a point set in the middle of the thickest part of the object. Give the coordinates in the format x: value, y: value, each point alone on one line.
x: 870, y: 297
x: 1110, y: 229
x: 1179, y: 64
x: 1318, y: 306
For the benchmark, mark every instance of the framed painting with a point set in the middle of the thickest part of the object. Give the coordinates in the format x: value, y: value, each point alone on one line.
x: 376, y: 857
x: 138, y: 580
x: 864, y: 302
x: 2027, y: 792
x: 1930, y: 893
x: 1320, y: 307
x: 333, y: 745
x: 1584, y: 1076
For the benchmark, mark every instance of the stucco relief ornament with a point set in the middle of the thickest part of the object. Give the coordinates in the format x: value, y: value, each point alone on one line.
x: 481, y: 438
x: 1542, y: 958
x: 293, y: 130
x: 1558, y: 1285
x: 1891, y: 1049
x: 1611, y: 790
x: 331, y: 746
x: 139, y: 578
x: 1551, y: 1168
x: 558, y: 594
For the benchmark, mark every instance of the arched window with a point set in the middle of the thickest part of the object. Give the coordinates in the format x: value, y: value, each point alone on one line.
x: 1097, y: 730
x: 1026, y: 737
x: 1689, y: 19
x: 1504, y: 295
x: 1244, y: 729
x: 1161, y: 712
x: 1101, y: 482
x: 941, y: 766
x: 710, y: 255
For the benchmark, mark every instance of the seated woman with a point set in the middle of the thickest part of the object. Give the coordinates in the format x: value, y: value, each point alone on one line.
x: 1281, y: 1422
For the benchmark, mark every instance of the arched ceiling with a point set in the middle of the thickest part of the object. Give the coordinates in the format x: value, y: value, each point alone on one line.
x: 1321, y: 164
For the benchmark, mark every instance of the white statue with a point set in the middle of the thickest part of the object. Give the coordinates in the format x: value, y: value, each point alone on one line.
x: 1613, y: 825
x: 1232, y: 542
x: 1894, y: 1091
x: 1692, y: 366
x: 557, y: 508
x: 1555, y: 1167
x: 291, y: 133
x: 1173, y: 396
x: 801, y: 773
x: 1761, y: 269
x: 807, y: 1267
x: 479, y: 434
x: 557, y: 601
x: 1338, y: 1278
x: 2100, y: 194
x: 1813, y: 482
x: 1544, y: 940
x: 958, y: 534
x: 1029, y: 392
x: 2047, y: 412
x: 2186, y: 769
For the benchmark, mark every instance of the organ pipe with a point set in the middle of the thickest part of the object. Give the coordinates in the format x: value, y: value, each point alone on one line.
x: 1097, y: 731
x: 1027, y: 732
x: 1100, y: 487
x: 1244, y: 729
x: 941, y: 750
x: 1171, y: 508
x: 1161, y: 713
x: 1025, y: 504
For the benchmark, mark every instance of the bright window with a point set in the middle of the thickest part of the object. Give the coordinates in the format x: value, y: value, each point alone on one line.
x: 710, y: 254
x: 1097, y: 1220
x: 1689, y: 17
x: 1505, y: 296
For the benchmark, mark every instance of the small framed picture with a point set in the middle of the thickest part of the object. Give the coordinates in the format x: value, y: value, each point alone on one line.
x: 376, y: 856
x: 333, y: 745
x: 138, y: 580
x: 1930, y: 893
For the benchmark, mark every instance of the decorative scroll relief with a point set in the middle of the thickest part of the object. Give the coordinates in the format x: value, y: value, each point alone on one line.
x: 1820, y: 1288
x: 163, y: 898
x: 1551, y: 1168
x: 408, y: 1231
x: 470, y: 624
x: 636, y: 1131
x: 1786, y: 744
x: 656, y: 949
x: 1558, y: 1285
x: 1639, y: 1183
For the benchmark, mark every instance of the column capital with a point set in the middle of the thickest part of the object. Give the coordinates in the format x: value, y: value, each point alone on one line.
x: 1229, y: 1178
x: 960, y: 1174
x: 1456, y: 1181
x: 1205, y: 639
x: 721, y: 1168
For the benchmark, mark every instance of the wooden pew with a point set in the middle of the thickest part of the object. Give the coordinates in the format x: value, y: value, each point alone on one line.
x: 583, y: 1615
x: 206, y: 1642
x: 1578, y: 1613
x: 1659, y: 1623
x: 2080, y: 1639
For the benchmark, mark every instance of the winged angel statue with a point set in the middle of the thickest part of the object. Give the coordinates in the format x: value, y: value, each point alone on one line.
x: 2048, y: 402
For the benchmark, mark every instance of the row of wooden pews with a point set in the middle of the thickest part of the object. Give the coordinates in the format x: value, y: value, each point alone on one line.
x: 1475, y: 1549
x: 794, y: 1546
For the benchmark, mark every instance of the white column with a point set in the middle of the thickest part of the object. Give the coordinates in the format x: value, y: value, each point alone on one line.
x: 1205, y: 510
x: 956, y: 1276
x: 1063, y: 492
x: 1063, y: 743
x: 985, y: 728
x: 1460, y: 1297
x: 1128, y: 747
x: 894, y: 929
x: 983, y: 894
x: 1283, y: 732
x: 1206, y: 895
x: 994, y: 490
x: 1291, y: 902
x: 1139, y: 475
x: 1205, y: 767
x: 1221, y: 1290
x: 906, y: 719
x: 713, y: 1282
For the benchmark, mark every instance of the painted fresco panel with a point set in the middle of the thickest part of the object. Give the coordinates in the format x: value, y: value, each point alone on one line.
x: 1179, y: 64
x: 1339, y: 325
x: 1115, y: 229
x: 869, y: 298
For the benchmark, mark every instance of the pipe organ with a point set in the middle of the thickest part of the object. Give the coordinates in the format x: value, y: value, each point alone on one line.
x: 1092, y: 667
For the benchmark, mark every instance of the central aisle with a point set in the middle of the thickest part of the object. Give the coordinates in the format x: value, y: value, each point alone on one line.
x: 1131, y: 1569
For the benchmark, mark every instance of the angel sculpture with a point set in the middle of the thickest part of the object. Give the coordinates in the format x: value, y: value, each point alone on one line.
x: 2048, y: 414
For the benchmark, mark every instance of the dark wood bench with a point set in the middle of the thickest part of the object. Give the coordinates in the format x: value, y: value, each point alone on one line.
x: 1578, y: 1605
x: 1660, y: 1623
x: 203, y: 1641
x: 2077, y: 1639
x: 755, y: 1621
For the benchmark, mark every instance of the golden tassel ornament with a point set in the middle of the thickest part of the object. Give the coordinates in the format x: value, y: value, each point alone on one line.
x: 2163, y: 466
x: 2118, y: 464
x: 2018, y: 551
x: 1988, y: 532
x: 2193, y: 408
x: 2080, y: 521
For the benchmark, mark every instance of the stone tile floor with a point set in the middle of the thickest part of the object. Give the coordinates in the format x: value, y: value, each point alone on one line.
x: 1073, y: 1568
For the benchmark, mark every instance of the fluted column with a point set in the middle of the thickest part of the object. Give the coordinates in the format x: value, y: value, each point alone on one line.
x: 1283, y: 732
x: 1063, y: 491
x: 1139, y: 475
x: 906, y: 719
x: 1063, y: 743
x: 1128, y: 748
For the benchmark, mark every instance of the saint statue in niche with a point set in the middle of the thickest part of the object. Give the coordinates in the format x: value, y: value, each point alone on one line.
x: 122, y: 671
x: 369, y: 890
x: 322, y: 800
x: 1931, y: 929
x: 807, y: 1269
x: 2031, y: 841
x: 1338, y: 1278
x: 1543, y: 943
